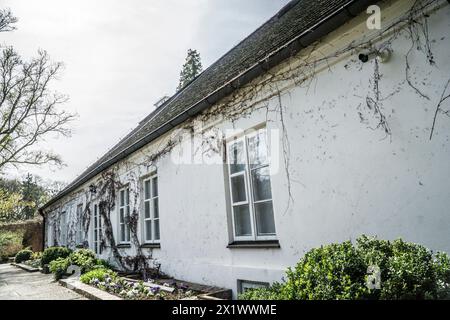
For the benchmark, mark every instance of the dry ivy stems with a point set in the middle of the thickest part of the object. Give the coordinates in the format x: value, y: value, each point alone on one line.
x: 257, y: 96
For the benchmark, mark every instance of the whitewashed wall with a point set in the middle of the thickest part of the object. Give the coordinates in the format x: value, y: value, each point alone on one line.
x: 346, y: 179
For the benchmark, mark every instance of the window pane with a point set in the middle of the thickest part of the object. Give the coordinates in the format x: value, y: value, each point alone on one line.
x: 127, y: 233
x: 242, y: 221
x: 264, y: 218
x: 122, y: 232
x: 238, y: 188
x: 121, y: 215
x: 156, y: 222
x: 257, y: 149
x: 155, y: 208
x: 155, y: 187
x: 127, y: 196
x: 147, y: 209
x: 261, y: 184
x: 147, y: 189
x: 237, y: 157
x: 148, y: 230
x: 122, y: 198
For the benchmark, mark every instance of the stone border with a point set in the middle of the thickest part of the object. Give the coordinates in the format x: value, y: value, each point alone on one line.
x: 87, y: 291
x: 24, y: 267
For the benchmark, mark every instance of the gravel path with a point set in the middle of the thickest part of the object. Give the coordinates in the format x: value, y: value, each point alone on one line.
x: 18, y: 284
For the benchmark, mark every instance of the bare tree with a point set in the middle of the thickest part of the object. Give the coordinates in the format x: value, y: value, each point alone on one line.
x: 28, y: 109
x: 7, y: 20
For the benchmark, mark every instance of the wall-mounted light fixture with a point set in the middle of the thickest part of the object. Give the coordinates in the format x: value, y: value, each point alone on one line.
x: 92, y: 189
x: 382, y: 55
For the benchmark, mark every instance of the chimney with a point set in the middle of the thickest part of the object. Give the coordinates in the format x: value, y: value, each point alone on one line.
x: 161, y: 101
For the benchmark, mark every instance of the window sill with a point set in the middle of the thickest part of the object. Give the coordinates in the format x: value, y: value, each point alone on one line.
x: 124, y: 245
x: 254, y: 244
x: 151, y: 245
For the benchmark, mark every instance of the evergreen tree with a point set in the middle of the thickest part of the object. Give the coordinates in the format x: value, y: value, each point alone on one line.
x: 32, y: 196
x: 191, y: 68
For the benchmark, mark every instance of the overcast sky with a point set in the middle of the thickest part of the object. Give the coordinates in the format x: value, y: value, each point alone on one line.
x: 120, y: 57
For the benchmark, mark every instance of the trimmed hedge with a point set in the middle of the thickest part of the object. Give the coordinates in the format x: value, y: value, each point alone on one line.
x: 340, y: 271
x: 23, y: 255
x: 53, y: 253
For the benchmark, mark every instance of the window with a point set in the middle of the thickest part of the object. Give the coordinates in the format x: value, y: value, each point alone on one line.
x: 124, y: 214
x: 250, y: 190
x: 63, y: 228
x: 244, y: 285
x: 151, y: 210
x: 49, y: 235
x: 79, y: 234
x: 97, y: 230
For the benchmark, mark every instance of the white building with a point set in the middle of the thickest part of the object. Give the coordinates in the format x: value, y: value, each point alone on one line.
x: 322, y: 125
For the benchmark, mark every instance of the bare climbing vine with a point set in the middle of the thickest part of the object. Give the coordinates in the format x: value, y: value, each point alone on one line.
x: 259, y: 95
x: 374, y: 101
x: 444, y: 96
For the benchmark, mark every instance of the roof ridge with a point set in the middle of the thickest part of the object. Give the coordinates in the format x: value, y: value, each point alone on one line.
x: 275, y: 40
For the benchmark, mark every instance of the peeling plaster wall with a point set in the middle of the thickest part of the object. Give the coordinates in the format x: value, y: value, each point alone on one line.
x: 346, y: 177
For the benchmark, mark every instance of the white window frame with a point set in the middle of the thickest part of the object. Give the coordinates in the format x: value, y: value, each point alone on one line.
x: 97, y: 229
x: 151, y: 216
x: 248, y: 185
x: 79, y: 233
x: 126, y: 211
x: 245, y: 285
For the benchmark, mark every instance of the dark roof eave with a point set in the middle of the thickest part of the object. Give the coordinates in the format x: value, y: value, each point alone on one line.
x: 323, y: 27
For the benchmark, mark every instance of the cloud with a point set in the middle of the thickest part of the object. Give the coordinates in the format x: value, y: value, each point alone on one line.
x: 122, y: 56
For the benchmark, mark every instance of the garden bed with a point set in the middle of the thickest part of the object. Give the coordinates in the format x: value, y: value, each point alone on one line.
x: 132, y: 287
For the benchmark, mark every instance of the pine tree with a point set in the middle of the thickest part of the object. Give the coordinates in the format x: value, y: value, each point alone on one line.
x: 191, y: 68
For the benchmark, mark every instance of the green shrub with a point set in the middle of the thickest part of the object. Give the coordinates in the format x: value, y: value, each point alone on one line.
x: 103, y: 263
x: 23, y: 255
x: 53, y: 253
x: 84, y: 258
x: 84, y: 253
x: 10, y: 244
x: 99, y: 274
x: 339, y: 271
x: 272, y: 293
x: 59, y: 267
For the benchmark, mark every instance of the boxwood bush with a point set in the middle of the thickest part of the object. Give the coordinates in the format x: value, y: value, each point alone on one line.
x: 53, y: 253
x: 23, y: 255
x: 339, y: 271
